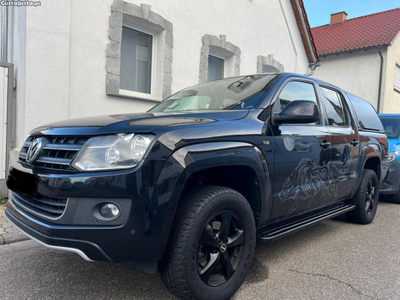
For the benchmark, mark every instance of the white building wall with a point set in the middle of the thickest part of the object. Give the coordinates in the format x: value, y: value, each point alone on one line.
x: 64, y: 67
x: 390, y: 96
x: 356, y: 73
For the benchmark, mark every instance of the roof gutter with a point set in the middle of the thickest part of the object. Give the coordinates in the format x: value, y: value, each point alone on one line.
x: 380, y: 81
x: 305, y: 30
x: 353, y: 50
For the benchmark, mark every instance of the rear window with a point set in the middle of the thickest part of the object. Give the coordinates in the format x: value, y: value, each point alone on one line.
x: 366, y: 114
x: 392, y: 126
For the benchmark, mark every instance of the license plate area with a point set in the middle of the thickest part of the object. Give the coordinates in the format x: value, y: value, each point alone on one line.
x: 22, y: 183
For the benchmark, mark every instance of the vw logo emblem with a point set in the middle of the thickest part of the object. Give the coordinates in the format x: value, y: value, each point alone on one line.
x: 223, y: 248
x: 33, y: 150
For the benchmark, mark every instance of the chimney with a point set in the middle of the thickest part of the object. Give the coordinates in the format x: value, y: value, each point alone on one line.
x: 338, y: 18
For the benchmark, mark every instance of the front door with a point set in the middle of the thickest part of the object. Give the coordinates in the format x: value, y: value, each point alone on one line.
x: 345, y: 147
x: 302, y: 179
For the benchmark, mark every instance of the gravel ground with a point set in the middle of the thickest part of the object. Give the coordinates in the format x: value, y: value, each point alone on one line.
x: 332, y: 260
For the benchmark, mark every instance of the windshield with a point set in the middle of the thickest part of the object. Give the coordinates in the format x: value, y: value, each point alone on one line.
x: 392, y: 126
x: 231, y: 93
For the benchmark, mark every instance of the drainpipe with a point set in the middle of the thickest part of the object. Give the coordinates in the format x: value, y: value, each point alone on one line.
x: 380, y: 82
x: 4, y: 32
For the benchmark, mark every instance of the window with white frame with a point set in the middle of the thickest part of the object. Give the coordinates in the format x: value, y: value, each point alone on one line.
x: 138, y: 48
x: 139, y: 54
x: 218, y: 58
x: 216, y: 67
x: 397, y: 79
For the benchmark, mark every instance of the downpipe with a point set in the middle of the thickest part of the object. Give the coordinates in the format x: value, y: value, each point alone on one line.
x: 4, y: 32
x: 380, y: 82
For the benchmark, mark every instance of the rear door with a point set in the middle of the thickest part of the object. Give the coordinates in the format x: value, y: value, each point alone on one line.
x: 345, y: 141
x: 302, y: 178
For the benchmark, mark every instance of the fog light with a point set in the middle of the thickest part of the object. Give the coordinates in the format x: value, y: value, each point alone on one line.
x: 109, y: 211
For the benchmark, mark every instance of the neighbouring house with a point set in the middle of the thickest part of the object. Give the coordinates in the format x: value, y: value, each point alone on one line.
x: 362, y: 56
x: 82, y: 58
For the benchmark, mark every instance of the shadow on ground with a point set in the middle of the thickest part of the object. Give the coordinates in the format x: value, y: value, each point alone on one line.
x: 58, y: 276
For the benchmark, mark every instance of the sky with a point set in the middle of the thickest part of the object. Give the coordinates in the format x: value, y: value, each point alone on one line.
x: 319, y: 11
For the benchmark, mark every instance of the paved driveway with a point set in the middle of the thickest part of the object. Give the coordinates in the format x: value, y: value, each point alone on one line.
x: 332, y: 260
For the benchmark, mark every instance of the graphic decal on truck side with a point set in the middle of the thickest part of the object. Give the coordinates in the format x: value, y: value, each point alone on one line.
x: 309, y: 179
x: 306, y: 180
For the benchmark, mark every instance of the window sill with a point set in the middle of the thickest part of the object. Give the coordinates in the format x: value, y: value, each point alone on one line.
x: 397, y: 90
x: 135, y: 96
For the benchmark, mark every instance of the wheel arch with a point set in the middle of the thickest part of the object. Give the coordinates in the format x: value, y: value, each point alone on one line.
x: 372, y: 158
x: 369, y: 159
x: 237, y: 165
x: 196, y: 161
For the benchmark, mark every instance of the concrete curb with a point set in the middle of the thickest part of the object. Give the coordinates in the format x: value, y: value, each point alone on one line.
x: 8, y: 233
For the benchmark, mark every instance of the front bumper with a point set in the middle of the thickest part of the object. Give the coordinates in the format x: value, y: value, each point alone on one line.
x: 138, y: 235
x: 391, y: 184
x: 53, y: 243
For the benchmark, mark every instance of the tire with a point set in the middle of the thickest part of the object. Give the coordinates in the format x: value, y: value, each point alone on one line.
x: 198, y: 266
x: 366, y: 199
x: 395, y: 198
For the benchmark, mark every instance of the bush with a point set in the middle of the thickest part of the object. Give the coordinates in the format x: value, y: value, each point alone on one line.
x: 2, y: 199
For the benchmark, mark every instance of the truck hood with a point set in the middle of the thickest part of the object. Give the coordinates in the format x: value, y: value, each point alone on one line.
x: 137, y: 122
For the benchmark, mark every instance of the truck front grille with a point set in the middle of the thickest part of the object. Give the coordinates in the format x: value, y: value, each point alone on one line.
x: 57, y: 153
x: 41, y: 206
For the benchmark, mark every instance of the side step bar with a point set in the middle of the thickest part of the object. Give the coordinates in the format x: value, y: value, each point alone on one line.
x: 291, y: 227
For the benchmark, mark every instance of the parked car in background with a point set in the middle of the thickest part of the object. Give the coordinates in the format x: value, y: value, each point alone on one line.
x: 391, y: 186
x: 189, y: 186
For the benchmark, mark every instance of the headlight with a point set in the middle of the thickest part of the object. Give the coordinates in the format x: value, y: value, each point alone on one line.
x: 393, y: 156
x: 112, y: 152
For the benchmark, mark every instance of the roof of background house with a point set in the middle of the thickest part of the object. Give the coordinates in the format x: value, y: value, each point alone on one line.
x: 379, y: 29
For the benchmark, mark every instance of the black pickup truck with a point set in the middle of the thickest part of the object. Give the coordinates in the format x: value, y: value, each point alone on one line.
x: 191, y: 185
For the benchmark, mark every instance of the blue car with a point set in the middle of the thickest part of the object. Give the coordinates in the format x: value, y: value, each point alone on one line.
x: 391, y: 186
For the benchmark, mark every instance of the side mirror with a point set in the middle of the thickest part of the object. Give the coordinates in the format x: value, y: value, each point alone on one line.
x: 298, y: 112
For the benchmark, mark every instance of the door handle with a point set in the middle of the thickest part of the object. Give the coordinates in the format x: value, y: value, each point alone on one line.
x: 325, y: 144
x: 354, y: 143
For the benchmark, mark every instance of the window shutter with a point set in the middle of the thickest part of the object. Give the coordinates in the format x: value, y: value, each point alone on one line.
x: 397, y: 79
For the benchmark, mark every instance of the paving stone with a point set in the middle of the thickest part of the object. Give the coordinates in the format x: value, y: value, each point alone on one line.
x: 8, y: 233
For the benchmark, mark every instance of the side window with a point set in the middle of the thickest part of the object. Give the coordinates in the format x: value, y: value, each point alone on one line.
x: 296, y: 90
x: 334, y: 107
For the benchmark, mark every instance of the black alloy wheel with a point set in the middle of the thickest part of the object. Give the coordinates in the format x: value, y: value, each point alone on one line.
x: 211, y: 245
x: 366, y: 199
x: 220, y: 248
x: 370, y: 197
